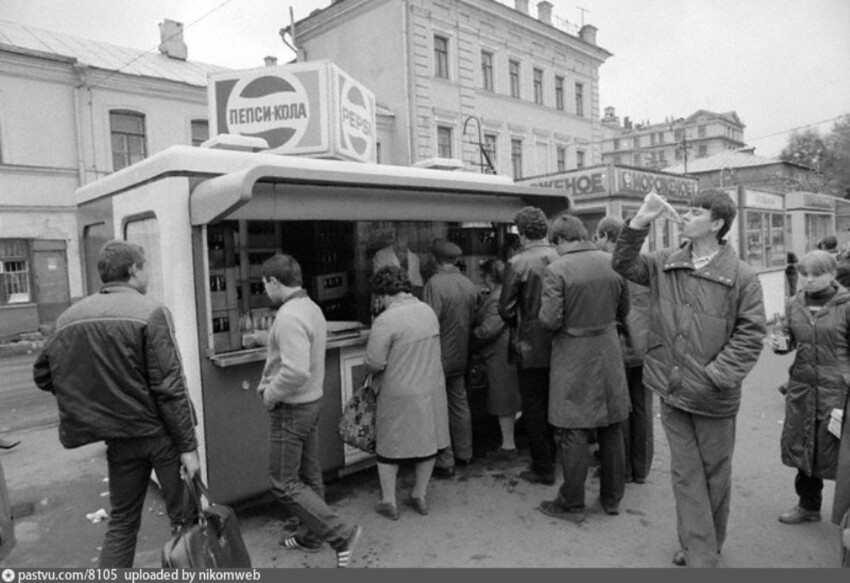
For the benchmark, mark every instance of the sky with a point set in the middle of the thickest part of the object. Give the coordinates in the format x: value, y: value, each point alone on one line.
x: 780, y: 64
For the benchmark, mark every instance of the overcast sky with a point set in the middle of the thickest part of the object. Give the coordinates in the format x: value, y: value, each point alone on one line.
x: 780, y: 64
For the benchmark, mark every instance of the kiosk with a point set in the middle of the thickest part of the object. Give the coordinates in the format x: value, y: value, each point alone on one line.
x: 209, y: 218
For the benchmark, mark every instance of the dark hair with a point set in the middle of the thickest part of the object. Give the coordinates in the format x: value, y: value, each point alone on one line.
x: 511, y: 246
x: 791, y: 258
x: 828, y: 243
x: 531, y: 222
x: 568, y: 228
x: 720, y: 205
x: 390, y: 280
x: 116, y: 258
x: 610, y: 227
x: 817, y: 263
x: 283, y: 268
x: 494, y: 268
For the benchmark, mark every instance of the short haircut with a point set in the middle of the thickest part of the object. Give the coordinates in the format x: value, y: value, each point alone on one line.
x: 531, y: 222
x: 610, y: 227
x: 817, y: 263
x: 283, y: 268
x: 494, y: 268
x: 569, y: 228
x: 720, y: 205
x: 828, y: 243
x: 390, y: 280
x: 116, y: 258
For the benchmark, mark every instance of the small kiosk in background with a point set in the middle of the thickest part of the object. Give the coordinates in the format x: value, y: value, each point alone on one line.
x: 612, y: 190
x: 760, y: 236
x: 811, y: 217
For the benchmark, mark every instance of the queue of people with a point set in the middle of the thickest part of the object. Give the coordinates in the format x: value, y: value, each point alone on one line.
x: 576, y: 333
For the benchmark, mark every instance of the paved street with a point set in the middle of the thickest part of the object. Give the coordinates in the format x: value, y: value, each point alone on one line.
x: 22, y: 405
x: 486, y: 517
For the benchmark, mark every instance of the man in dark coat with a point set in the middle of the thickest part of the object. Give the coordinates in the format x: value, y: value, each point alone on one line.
x: 114, y: 367
x: 707, y: 326
x: 519, y: 307
x: 454, y: 299
x: 583, y: 303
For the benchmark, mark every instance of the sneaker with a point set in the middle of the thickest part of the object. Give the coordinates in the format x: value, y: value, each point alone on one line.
x: 679, y: 558
x: 345, y: 553
x: 799, y: 515
x: 611, y: 509
x: 535, y: 478
x: 553, y: 509
x: 292, y: 543
x: 444, y: 473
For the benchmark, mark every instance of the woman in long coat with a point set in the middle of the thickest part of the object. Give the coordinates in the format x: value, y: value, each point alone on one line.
x: 412, y: 421
x: 816, y: 326
x: 491, y: 338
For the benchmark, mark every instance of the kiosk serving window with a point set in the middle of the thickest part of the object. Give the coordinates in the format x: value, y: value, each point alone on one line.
x: 337, y: 259
x: 765, y: 239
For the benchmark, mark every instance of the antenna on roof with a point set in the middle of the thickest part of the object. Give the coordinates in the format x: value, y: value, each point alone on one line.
x: 583, y: 11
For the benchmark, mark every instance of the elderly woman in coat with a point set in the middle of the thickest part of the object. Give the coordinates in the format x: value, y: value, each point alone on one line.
x: 816, y: 326
x: 412, y: 421
x: 491, y: 337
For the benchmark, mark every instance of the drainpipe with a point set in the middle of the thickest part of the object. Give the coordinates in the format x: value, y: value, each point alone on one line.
x: 411, y: 109
x: 78, y: 124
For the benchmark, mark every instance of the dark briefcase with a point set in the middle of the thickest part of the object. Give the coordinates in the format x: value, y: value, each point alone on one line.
x: 214, y: 542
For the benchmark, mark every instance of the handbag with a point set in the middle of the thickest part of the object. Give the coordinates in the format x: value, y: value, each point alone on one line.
x: 357, y: 424
x: 214, y: 542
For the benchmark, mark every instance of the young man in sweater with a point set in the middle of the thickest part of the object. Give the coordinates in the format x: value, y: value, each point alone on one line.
x: 291, y: 388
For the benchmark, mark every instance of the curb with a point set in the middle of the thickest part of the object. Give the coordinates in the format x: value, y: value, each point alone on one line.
x: 20, y: 348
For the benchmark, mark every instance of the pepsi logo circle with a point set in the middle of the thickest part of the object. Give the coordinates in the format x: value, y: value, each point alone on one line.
x: 273, y: 107
x: 356, y: 119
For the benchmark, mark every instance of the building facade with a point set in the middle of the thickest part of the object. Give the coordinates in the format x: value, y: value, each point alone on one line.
x: 659, y: 145
x: 452, y: 74
x: 73, y: 110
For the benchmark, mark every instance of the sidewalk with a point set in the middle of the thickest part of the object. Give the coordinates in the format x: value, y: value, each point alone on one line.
x: 485, y: 517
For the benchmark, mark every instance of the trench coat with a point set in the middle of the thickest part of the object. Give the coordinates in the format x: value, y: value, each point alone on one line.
x: 583, y: 302
x: 412, y: 418
x: 818, y: 383
x: 491, y: 339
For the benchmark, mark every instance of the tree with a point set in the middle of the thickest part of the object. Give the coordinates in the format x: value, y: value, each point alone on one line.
x: 828, y: 155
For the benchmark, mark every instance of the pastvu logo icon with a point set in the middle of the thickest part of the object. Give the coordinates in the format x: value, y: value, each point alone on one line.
x: 8, y: 575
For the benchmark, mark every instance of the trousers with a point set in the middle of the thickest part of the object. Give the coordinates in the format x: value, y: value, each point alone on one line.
x: 460, y: 424
x: 638, y: 431
x: 575, y: 459
x: 534, y: 395
x: 701, y: 470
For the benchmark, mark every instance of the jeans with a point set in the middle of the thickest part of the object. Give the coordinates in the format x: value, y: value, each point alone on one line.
x: 460, y: 424
x: 534, y: 393
x: 575, y: 458
x: 809, y: 489
x: 295, y: 473
x: 130, y: 462
x: 637, y: 431
x: 701, y: 469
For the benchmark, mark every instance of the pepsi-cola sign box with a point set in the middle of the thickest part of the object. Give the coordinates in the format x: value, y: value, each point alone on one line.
x: 312, y: 108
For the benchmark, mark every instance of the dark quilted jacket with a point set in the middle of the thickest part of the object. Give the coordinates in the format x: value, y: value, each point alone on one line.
x: 113, y: 365
x: 707, y: 325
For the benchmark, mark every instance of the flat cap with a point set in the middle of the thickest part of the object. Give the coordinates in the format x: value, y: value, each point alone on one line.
x: 445, y: 249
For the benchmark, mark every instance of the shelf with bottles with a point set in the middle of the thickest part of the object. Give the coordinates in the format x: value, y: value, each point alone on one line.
x: 224, y: 291
x: 225, y: 331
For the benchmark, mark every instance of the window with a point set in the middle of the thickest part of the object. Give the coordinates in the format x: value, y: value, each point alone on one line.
x: 128, y: 138
x: 516, y: 158
x: 662, y: 158
x: 652, y: 139
x: 765, y: 239
x: 487, y: 70
x: 617, y: 160
x: 703, y: 151
x: 559, y: 93
x: 490, y: 148
x: 145, y: 232
x: 637, y: 159
x: 660, y: 137
x: 538, y: 86
x: 444, y: 142
x: 561, y: 156
x: 701, y: 131
x: 616, y: 144
x: 678, y: 154
x: 14, y: 272
x: 200, y: 131
x: 441, y: 57
x: 637, y: 142
x: 513, y: 72
x: 579, y: 158
x: 377, y: 152
x: 579, y: 99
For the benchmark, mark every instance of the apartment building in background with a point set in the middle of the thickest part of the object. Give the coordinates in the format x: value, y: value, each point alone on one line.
x: 442, y: 71
x: 73, y: 110
x: 674, y: 141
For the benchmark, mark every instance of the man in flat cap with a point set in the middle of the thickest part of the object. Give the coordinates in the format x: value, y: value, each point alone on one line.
x: 454, y: 299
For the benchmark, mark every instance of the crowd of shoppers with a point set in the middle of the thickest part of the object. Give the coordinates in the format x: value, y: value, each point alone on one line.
x: 575, y: 335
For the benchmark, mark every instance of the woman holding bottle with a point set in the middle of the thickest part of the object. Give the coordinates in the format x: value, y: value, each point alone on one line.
x: 815, y: 326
